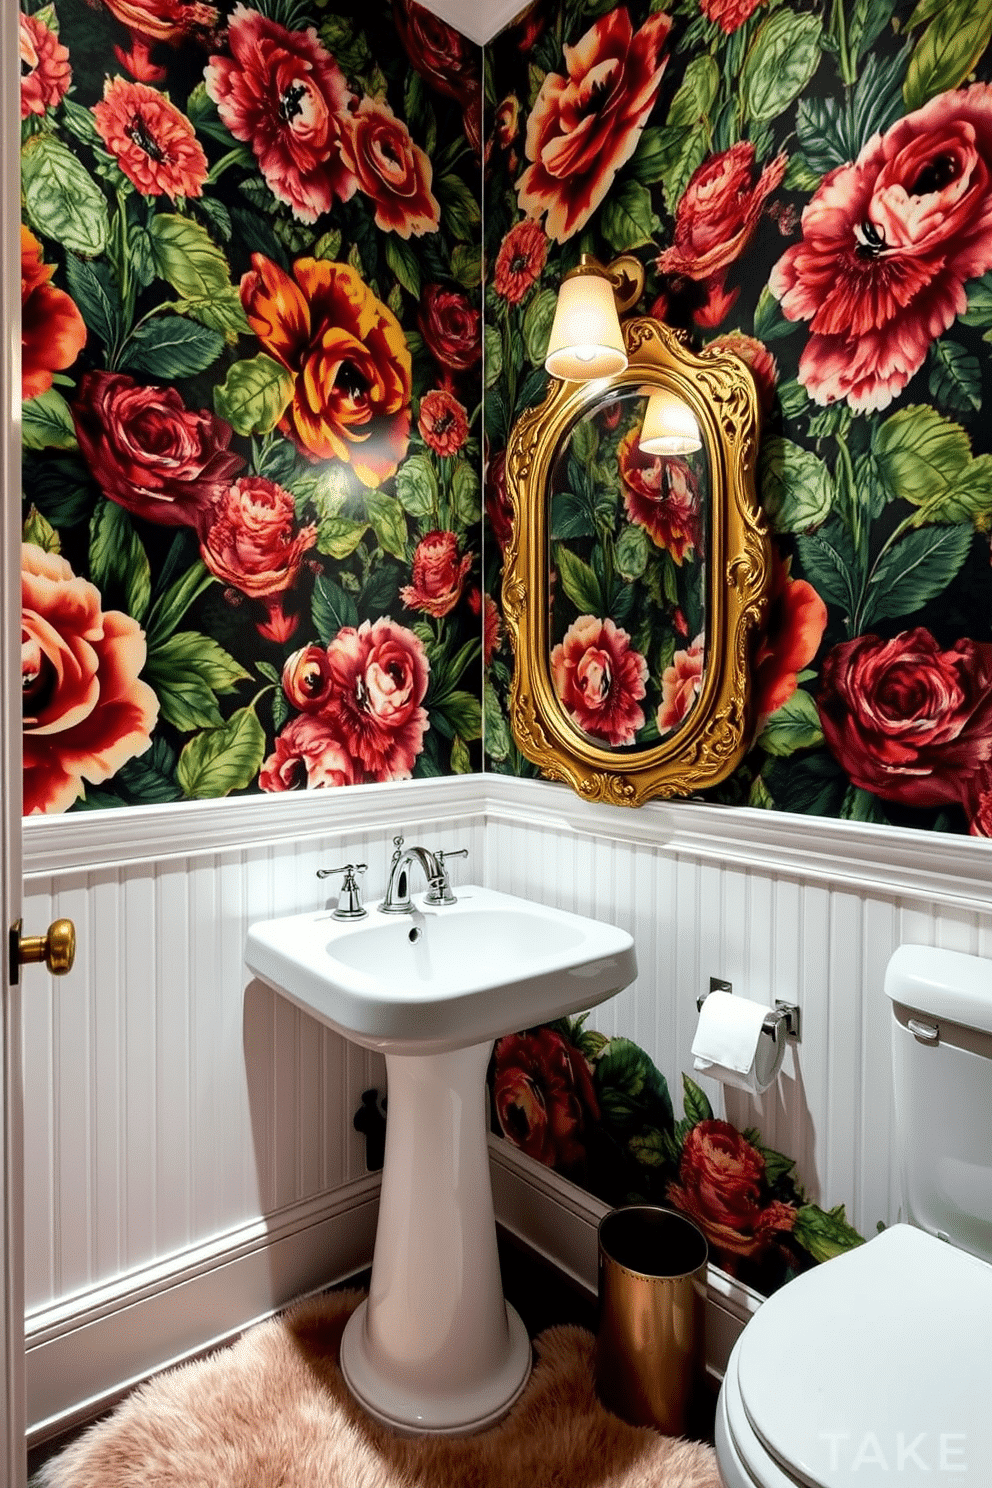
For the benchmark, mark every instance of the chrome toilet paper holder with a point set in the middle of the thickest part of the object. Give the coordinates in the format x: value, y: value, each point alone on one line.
x: 784, y: 1017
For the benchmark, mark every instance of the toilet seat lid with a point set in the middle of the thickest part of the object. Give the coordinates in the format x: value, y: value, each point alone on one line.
x: 876, y: 1360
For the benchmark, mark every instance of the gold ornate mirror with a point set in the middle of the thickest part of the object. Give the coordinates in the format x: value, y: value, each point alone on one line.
x: 633, y: 581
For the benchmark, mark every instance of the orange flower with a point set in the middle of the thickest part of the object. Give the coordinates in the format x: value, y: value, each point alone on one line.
x: 443, y: 421
x: 349, y: 356
x: 522, y: 255
x: 391, y: 169
x: 797, y: 618
x: 45, y: 70
x: 149, y: 21
x: 680, y: 684
x: 156, y: 146
x: 52, y: 329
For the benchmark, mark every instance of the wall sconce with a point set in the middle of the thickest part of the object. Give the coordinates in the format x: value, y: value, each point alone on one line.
x: 586, y: 340
x: 669, y: 427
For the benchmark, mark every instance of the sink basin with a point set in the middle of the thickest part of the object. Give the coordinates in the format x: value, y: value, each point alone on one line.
x: 435, y: 1348
x: 442, y: 978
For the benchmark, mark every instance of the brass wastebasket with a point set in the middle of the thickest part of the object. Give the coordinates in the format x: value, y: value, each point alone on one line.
x: 650, y: 1348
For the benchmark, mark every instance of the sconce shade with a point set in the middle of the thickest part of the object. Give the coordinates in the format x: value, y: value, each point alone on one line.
x: 586, y: 340
x: 669, y: 426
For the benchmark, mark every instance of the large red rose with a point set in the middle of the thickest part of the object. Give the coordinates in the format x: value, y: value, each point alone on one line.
x: 285, y: 96
x: 45, y: 70
x: 680, y: 684
x: 797, y: 618
x: 600, y: 679
x: 150, y: 21
x: 85, y: 711
x: 149, y: 452
x: 348, y: 355
x: 451, y: 326
x: 544, y: 1095
x: 438, y: 574
x: 908, y: 721
x: 447, y: 61
x: 308, y: 756
x: 585, y: 126
x: 660, y: 494
x: 53, y: 332
x: 720, y: 1187
x: 251, y: 540
x: 377, y: 148
x: 716, y: 219
x: 379, y: 675
x: 888, y: 244
x: 155, y: 145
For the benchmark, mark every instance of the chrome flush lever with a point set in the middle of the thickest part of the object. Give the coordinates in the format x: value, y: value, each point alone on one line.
x: 350, y: 905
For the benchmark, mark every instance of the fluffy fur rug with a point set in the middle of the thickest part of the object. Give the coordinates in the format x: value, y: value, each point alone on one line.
x: 272, y: 1411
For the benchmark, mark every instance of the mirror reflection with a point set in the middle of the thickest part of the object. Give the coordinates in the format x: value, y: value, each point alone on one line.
x: 627, y: 578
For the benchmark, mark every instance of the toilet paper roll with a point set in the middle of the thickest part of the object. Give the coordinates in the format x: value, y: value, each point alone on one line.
x: 730, y: 1044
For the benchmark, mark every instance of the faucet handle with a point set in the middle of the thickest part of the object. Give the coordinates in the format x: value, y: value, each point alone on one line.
x: 350, y: 905
x: 442, y: 893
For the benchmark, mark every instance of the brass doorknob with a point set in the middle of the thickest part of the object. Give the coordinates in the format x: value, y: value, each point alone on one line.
x: 57, y: 949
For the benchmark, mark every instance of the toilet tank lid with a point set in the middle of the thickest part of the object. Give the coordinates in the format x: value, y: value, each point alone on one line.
x: 947, y: 984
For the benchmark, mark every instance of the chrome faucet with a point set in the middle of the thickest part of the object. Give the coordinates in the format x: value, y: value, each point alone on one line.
x: 397, y: 899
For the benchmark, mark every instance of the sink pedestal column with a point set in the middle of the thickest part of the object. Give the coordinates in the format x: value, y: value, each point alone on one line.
x: 436, y: 1348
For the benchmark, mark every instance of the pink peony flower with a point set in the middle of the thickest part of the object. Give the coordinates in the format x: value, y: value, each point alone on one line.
x: 438, y: 575
x: 379, y: 676
x: 600, y: 679
x: 308, y: 756
x: 521, y: 257
x: 155, y: 145
x: 286, y: 97
x: 660, y: 494
x: 390, y: 169
x: 888, y: 245
x: 53, y: 332
x: 45, y: 70
x: 443, y: 421
x: 680, y: 684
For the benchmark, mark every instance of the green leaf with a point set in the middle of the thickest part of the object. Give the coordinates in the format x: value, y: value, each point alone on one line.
x: 118, y: 561
x: 955, y: 377
x: 95, y: 291
x: 496, y: 733
x: 824, y: 1233
x: 626, y: 220
x: 695, y: 1102
x: 328, y: 245
x: 222, y: 312
x: 461, y: 758
x: 38, y: 530
x: 781, y: 61
x: 827, y: 558
x: 651, y: 156
x: 223, y: 759
x: 583, y: 442
x: 189, y: 650
x: 466, y: 494
x: 696, y: 95
x: 187, y: 257
x: 61, y: 198
x: 457, y: 713
x: 797, y: 489
x: 579, y: 582
x: 404, y: 263
x: 187, y: 671
x: 796, y: 725
x: 169, y: 347
x: 632, y: 552
x: 769, y: 322
x: 926, y: 460
x: 416, y: 486
x: 254, y: 395
x: 861, y: 806
x: 46, y: 422
x: 466, y: 265
x: 538, y: 318
x: 459, y: 207
x: 947, y: 51
x: 650, y: 1148
x: 792, y: 399
x: 492, y: 354
x: 167, y: 611
x: 915, y: 571
x: 630, y: 1087
x: 979, y: 311
x: 869, y: 19
x: 338, y: 537
x: 388, y: 522
x: 333, y: 609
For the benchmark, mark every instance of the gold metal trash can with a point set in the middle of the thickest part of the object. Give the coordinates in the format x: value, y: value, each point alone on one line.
x: 650, y: 1348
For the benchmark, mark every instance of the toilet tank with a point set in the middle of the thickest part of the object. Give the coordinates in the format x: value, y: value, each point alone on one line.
x: 942, y: 1079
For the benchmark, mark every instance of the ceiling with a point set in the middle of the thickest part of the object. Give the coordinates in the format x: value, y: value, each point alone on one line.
x: 479, y: 20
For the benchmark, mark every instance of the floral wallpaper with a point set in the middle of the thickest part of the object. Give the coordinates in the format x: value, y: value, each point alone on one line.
x: 250, y: 283
x: 807, y: 184
x: 600, y: 1112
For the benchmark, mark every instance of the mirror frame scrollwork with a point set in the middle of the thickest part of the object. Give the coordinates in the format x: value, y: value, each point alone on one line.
x: 716, y: 733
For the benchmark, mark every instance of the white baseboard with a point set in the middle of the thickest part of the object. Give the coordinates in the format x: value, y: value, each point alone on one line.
x: 560, y: 1222
x: 84, y: 1354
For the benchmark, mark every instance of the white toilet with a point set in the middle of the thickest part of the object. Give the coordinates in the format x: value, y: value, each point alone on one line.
x: 875, y: 1368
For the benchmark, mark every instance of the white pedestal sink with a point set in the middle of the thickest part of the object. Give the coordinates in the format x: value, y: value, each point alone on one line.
x: 435, y: 1348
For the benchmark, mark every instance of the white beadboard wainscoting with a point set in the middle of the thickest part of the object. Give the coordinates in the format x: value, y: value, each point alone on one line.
x: 190, y: 1157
